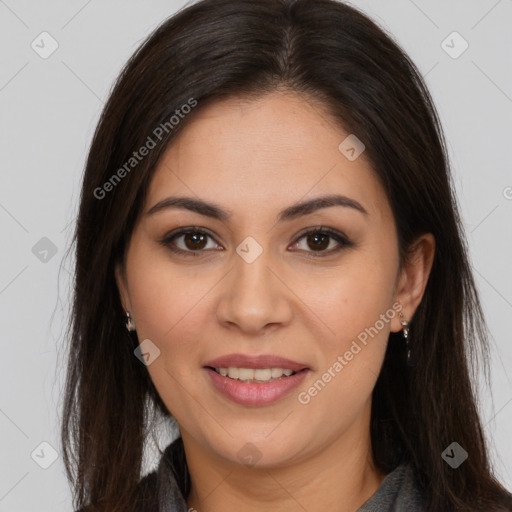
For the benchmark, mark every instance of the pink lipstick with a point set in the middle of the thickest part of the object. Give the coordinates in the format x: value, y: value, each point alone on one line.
x: 255, y: 380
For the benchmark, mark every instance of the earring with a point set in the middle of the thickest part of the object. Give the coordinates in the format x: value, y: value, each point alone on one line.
x: 405, y: 330
x: 129, y: 323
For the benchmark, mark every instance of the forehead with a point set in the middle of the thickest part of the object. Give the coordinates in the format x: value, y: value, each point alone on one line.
x: 266, y: 153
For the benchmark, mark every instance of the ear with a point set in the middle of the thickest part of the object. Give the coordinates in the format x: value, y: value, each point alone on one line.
x: 413, y: 278
x: 120, y: 276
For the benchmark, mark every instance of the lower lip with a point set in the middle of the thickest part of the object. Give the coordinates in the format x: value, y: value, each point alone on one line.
x: 248, y: 393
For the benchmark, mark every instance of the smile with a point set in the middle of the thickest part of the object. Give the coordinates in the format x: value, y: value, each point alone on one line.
x: 254, y: 375
x: 254, y: 392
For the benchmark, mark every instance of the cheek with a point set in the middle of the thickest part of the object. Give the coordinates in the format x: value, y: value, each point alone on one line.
x: 170, y: 308
x: 351, y: 361
x: 351, y: 298
x: 355, y: 303
x: 164, y: 295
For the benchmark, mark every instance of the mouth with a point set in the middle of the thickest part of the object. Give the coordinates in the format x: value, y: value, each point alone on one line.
x: 258, y: 380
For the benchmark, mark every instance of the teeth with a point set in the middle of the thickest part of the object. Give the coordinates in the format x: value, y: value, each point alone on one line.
x: 262, y: 374
x: 249, y: 374
x: 246, y: 374
x: 276, y: 372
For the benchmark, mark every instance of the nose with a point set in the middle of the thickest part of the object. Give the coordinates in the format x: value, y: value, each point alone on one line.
x: 254, y: 297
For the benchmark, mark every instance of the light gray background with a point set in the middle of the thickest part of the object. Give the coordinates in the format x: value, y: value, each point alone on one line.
x: 49, y: 108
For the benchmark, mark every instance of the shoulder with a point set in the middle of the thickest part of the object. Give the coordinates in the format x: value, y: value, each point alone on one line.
x: 146, y: 495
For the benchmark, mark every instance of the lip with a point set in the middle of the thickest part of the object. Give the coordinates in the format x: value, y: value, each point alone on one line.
x: 260, y: 361
x: 252, y: 393
x: 248, y: 393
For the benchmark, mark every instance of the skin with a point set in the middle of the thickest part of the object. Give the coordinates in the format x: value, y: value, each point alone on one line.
x: 255, y: 158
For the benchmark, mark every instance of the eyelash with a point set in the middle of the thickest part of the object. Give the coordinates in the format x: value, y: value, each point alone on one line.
x: 344, y: 242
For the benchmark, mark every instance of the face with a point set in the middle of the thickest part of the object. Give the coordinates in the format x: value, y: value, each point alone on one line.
x: 261, y: 281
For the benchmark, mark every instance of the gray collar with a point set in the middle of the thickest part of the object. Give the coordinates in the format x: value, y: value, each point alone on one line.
x: 398, y: 492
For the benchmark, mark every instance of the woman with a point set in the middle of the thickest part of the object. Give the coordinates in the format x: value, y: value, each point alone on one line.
x: 269, y: 253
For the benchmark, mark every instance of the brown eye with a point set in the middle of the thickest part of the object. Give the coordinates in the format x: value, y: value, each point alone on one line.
x: 323, y: 241
x: 194, y: 241
x: 189, y: 242
x: 318, y: 241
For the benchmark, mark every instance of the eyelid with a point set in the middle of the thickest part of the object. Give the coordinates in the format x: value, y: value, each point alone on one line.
x: 342, y: 240
x: 167, y: 240
x: 322, y: 229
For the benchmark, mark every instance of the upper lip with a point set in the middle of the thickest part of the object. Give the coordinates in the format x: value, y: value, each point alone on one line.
x: 260, y: 361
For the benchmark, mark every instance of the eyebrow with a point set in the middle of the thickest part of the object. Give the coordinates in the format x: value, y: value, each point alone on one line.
x: 292, y: 212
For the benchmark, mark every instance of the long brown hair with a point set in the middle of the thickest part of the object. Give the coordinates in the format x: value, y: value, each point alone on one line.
x: 324, y: 50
